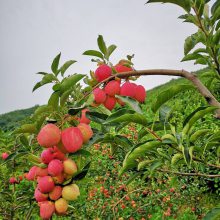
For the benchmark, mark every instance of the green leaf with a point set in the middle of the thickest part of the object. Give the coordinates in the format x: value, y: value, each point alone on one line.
x: 217, y: 26
x: 55, y: 64
x: 82, y: 173
x: 193, y: 113
x: 33, y: 158
x: 94, y: 53
x: 126, y: 116
x: 193, y: 40
x: 186, y: 155
x: 215, y: 136
x: 216, y: 15
x: 143, y: 164
x: 189, y: 44
x: 102, y: 45
x: 164, y: 113
x: 206, y: 11
x: 183, y: 16
x: 82, y: 152
x: 48, y: 78
x: 70, y: 81
x: 218, y: 151
x: 216, y: 37
x: 155, y: 165
x: 130, y: 159
x: 169, y: 139
x: 200, y: 50
x: 40, y: 120
x: 37, y: 85
x: 213, y: 214
x: 130, y: 102
x: 42, y: 73
x: 191, y: 56
x: 209, y: 74
x: 127, y: 164
x: 189, y: 18
x: 42, y: 110
x: 111, y: 49
x: 27, y: 128
x: 65, y: 66
x: 122, y: 141
x: 65, y: 96
x: 196, y: 115
x: 121, y: 126
x: 54, y: 100
x: 215, y: 7
x: 24, y: 140
x: 199, y: 5
x: 56, y: 87
x: 97, y: 137
x: 176, y: 158
x: 200, y: 133
x: 101, y: 109
x: 76, y: 109
x: 168, y: 94
x: 209, y: 82
x: 202, y: 61
x: 97, y: 117
x: 133, y: 177
x: 185, y: 4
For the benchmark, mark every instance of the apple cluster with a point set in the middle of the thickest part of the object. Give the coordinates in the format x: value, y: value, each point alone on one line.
x: 106, y: 95
x: 53, y: 191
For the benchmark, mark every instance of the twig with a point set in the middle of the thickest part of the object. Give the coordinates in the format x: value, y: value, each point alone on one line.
x: 154, y: 134
x: 178, y: 150
x: 189, y: 174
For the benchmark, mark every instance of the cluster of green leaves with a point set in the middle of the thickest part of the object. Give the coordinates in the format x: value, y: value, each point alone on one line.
x: 66, y: 92
x: 63, y: 88
x: 102, y: 56
x: 104, y: 52
x: 203, y: 46
x: 152, y: 153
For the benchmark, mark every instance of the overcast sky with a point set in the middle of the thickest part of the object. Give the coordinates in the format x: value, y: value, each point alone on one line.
x: 33, y: 32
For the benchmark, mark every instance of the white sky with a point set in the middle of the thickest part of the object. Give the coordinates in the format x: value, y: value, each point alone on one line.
x: 33, y: 32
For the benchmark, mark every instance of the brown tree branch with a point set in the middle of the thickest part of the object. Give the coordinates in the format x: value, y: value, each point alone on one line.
x: 166, y: 72
x: 189, y: 174
x: 154, y: 134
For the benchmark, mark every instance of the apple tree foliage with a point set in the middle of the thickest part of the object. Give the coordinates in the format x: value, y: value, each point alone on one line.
x: 161, y: 145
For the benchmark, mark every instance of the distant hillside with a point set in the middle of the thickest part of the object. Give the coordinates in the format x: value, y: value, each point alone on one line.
x: 10, y: 120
